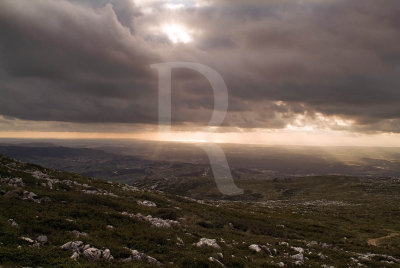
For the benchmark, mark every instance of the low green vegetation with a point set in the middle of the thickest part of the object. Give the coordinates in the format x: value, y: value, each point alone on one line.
x: 332, y: 221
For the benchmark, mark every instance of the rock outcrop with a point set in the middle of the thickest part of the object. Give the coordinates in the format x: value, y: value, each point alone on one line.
x: 206, y: 242
x: 13, y: 223
x: 92, y: 254
x: 15, y: 182
x: 156, y: 222
x: 78, y: 234
x: 211, y: 259
x: 88, y: 252
x: 255, y: 247
x: 147, y: 203
x: 136, y: 256
x: 298, y: 258
x: 42, y: 239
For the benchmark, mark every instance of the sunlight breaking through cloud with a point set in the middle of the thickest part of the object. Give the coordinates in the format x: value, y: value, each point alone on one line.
x: 177, y: 33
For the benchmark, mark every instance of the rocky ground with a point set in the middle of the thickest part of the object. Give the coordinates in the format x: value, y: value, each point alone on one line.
x: 50, y: 218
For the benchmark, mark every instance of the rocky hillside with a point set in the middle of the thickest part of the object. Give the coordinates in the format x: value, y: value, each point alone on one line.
x: 50, y: 218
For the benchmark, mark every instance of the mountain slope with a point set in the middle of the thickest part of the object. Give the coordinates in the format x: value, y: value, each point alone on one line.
x: 42, y: 210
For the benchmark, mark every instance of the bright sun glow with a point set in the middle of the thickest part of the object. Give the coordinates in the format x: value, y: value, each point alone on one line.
x: 174, y: 6
x: 176, y: 33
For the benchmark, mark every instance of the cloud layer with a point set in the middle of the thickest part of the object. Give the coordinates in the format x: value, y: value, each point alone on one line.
x: 331, y: 64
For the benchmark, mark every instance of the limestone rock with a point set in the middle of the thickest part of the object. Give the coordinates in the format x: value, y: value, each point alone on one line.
x: 13, y: 223
x: 106, y: 254
x: 284, y: 244
x: 298, y: 249
x: 156, y: 222
x: 42, y: 239
x: 75, y: 256
x: 298, y: 257
x: 255, y: 247
x: 141, y: 257
x: 72, y: 245
x: 15, y: 182
x: 147, y: 203
x: 79, y: 234
x: 27, y: 239
x: 211, y: 259
x: 206, y: 242
x: 92, y: 254
x: 180, y: 242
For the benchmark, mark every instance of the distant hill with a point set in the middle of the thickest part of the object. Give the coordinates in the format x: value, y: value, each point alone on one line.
x: 25, y: 151
x: 159, y: 165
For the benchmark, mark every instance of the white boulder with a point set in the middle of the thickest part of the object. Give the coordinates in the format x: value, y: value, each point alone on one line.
x: 78, y: 234
x: 298, y: 249
x: 27, y: 239
x: 42, y: 239
x: 147, y: 203
x: 106, y: 254
x: 211, y: 259
x: 206, y: 242
x: 255, y: 247
x: 141, y: 257
x: 92, y: 254
x: 75, y: 256
x: 284, y: 244
x: 72, y: 245
x: 298, y: 257
x: 13, y: 223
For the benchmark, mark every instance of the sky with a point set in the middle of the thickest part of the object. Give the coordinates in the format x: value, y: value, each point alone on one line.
x: 315, y: 72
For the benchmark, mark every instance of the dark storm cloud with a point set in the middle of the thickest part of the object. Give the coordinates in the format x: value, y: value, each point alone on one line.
x: 332, y: 57
x: 69, y: 62
x: 88, y: 61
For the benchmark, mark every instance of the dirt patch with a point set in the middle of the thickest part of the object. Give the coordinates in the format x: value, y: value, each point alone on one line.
x: 376, y: 241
